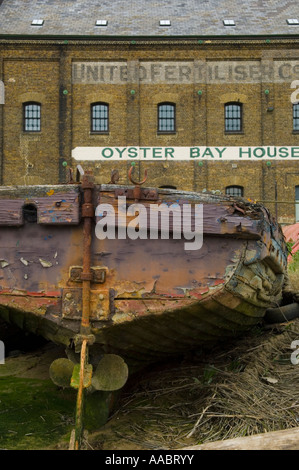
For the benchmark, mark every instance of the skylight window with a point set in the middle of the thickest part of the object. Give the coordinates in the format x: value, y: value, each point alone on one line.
x: 101, y: 23
x: 165, y: 23
x: 229, y: 23
x: 37, y: 22
x: 293, y: 21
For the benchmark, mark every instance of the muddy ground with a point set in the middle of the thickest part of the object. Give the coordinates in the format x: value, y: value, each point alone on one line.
x: 241, y: 388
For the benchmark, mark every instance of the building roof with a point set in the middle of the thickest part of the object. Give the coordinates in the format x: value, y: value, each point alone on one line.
x: 199, y: 18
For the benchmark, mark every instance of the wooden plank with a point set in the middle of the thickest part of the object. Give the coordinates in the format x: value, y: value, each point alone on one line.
x: 59, y: 208
x: 54, y: 208
x: 218, y: 219
x: 11, y: 212
x: 288, y: 439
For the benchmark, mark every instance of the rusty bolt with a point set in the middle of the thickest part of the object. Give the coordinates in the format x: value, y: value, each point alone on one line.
x: 101, y: 297
x: 68, y: 296
x: 88, y: 181
x: 87, y: 210
x: 86, y: 276
x: 75, y: 274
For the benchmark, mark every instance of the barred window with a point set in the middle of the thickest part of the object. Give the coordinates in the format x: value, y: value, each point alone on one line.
x: 234, y: 191
x: 32, y: 117
x: 295, y: 117
x: 233, y: 117
x: 166, y: 117
x: 99, y: 117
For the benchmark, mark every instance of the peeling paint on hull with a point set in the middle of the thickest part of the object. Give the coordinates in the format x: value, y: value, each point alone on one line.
x: 149, y: 299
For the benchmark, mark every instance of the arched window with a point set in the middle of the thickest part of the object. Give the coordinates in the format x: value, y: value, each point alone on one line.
x: 234, y: 191
x: 32, y: 117
x: 233, y: 117
x: 99, y: 117
x: 295, y: 117
x: 166, y: 118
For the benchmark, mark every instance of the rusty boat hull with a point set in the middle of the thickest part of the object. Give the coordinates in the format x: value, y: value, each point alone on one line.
x: 149, y: 298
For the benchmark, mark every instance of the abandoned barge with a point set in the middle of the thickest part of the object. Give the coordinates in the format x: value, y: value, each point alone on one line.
x: 148, y: 299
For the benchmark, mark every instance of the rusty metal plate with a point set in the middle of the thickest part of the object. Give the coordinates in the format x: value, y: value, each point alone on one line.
x: 72, y: 304
x: 98, y: 274
x: 100, y: 304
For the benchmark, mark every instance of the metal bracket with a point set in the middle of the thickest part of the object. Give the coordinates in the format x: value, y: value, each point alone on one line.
x: 98, y: 274
x: 78, y: 340
x: 72, y: 304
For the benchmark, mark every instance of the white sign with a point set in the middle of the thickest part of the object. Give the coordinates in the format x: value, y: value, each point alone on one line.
x: 185, y: 153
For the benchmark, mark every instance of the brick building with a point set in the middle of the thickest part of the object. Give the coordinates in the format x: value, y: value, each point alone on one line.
x: 137, y: 73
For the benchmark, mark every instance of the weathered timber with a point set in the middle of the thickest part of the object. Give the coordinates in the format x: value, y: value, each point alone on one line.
x: 53, y: 206
x: 217, y: 219
x: 287, y: 439
x: 148, y: 298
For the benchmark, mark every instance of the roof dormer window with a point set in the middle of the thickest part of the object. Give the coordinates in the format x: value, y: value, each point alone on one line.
x: 37, y: 22
x: 229, y: 23
x: 293, y: 22
x: 101, y: 23
x: 165, y: 23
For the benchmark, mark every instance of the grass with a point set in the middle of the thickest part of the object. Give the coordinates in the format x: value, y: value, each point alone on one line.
x: 34, y: 414
x: 217, y: 394
x: 222, y: 394
x: 293, y: 272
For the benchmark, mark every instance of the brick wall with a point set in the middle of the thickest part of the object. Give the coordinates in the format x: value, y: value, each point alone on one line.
x: 43, y: 73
